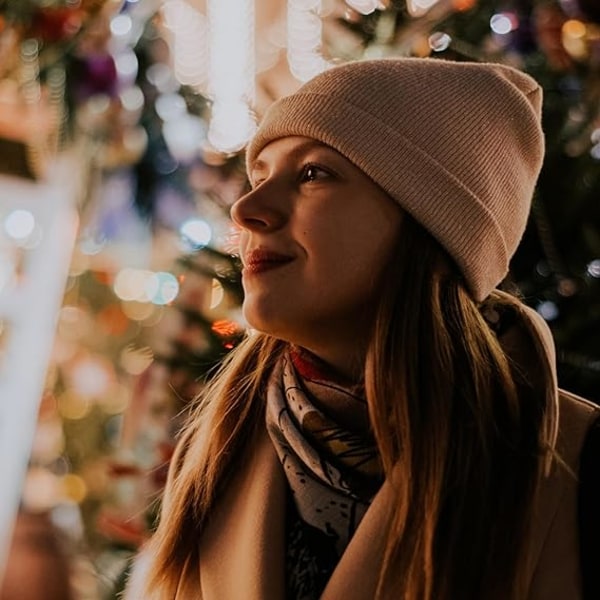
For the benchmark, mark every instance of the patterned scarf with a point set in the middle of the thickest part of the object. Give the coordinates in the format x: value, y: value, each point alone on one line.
x: 319, y: 425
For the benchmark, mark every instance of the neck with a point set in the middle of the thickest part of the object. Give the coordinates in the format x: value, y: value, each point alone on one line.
x: 341, y: 362
x: 340, y: 397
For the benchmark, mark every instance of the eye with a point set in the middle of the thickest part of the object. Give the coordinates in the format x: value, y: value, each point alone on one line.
x: 311, y: 172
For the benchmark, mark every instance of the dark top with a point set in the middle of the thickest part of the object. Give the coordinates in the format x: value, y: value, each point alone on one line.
x: 589, y: 512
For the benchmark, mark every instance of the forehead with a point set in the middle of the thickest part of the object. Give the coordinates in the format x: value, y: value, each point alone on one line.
x: 287, y: 148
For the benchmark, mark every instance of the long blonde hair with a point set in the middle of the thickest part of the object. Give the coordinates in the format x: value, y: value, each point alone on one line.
x: 458, y: 427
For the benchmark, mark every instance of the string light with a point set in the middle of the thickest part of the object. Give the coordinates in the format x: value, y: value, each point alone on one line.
x: 417, y: 8
x: 574, y: 38
x: 231, y: 73
x: 502, y: 23
x: 304, y: 29
x: 19, y: 224
x: 593, y: 268
x: 189, y: 30
x: 195, y: 233
x: 439, y: 41
x: 548, y: 310
x: 364, y: 7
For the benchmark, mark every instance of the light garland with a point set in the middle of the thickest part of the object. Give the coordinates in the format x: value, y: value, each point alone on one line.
x: 304, y: 30
x: 365, y: 7
x: 417, y: 8
x: 189, y: 29
x: 231, y: 73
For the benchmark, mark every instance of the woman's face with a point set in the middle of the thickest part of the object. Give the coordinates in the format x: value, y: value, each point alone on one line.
x: 316, y: 233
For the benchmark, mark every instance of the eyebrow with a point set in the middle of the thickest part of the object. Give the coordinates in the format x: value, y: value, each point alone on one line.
x: 297, y: 152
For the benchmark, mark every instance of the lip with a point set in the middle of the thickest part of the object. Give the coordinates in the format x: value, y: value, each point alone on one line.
x: 261, y: 260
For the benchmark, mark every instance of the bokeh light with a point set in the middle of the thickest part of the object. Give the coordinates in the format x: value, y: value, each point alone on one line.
x: 217, y: 294
x: 502, y: 23
x: 161, y: 288
x: 74, y: 487
x: 548, y: 310
x: 593, y: 268
x: 364, y: 7
x: 19, y: 224
x: 417, y: 8
x: 130, y: 284
x: 439, y: 41
x: 195, y: 233
x: 121, y: 25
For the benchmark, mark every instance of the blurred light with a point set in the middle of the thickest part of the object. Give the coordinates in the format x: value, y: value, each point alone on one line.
x: 595, y: 136
x: 190, y: 41
x: 41, y: 489
x: 184, y: 137
x: 574, y: 34
x: 232, y: 125
x: 304, y: 33
x: 99, y: 104
x: 574, y: 29
x: 567, y: 287
x: 130, y: 284
x: 543, y: 268
x: 132, y: 99
x: 72, y: 406
x: 593, y: 268
x: 548, y: 310
x: 162, y: 78
x: 127, y: 64
x: 136, y: 360
x: 417, y: 8
x: 117, y: 401
x: 463, y: 5
x: 137, y: 311
x: 121, y: 25
x: 439, y: 41
x: 231, y: 73
x: 217, y: 293
x: 49, y: 441
x: 225, y: 328
x: 196, y: 233
x: 170, y: 106
x: 595, y: 151
x: 72, y: 322
x: 162, y: 288
x: 364, y: 7
x: 90, y: 377
x: 74, y: 487
x: 502, y: 23
x: 91, y: 243
x: 135, y: 140
x: 19, y: 224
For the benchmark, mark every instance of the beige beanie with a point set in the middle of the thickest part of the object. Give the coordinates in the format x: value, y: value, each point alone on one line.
x: 458, y: 145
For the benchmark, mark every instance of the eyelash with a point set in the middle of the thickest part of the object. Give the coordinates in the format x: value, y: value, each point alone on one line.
x: 303, y: 177
x: 312, y: 166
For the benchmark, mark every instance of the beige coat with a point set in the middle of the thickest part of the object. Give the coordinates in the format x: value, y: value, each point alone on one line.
x: 242, y: 550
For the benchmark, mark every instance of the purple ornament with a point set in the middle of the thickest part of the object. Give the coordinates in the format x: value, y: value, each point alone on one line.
x: 93, y: 74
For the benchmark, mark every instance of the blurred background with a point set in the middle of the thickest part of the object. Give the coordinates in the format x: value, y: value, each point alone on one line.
x: 122, y: 131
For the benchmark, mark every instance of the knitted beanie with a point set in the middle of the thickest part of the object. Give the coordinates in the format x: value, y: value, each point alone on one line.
x: 458, y: 145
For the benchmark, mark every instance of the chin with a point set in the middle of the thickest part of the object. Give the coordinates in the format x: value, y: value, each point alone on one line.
x: 268, y: 323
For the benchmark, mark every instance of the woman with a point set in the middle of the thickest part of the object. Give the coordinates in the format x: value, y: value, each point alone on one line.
x: 392, y: 427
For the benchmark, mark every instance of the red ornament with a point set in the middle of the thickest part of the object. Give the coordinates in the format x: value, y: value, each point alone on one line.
x: 55, y: 24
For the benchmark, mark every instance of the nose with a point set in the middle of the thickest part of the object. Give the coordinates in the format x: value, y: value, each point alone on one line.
x: 256, y: 210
